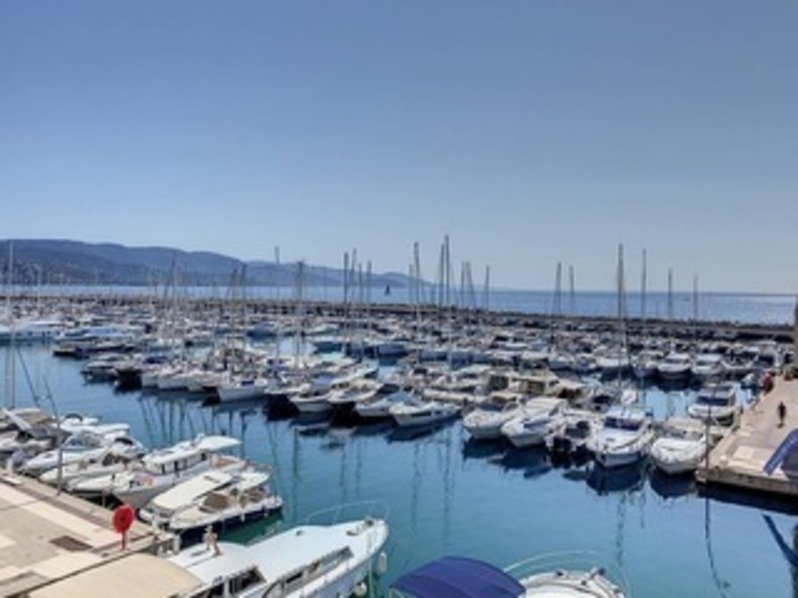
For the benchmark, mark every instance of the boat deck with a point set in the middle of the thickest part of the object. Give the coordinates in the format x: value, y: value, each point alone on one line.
x: 46, y: 536
x: 738, y: 459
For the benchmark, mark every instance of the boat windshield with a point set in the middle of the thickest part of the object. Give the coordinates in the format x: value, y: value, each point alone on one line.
x: 713, y: 401
x: 615, y: 423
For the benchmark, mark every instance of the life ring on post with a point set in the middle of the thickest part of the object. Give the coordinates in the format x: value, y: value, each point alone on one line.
x: 123, y: 518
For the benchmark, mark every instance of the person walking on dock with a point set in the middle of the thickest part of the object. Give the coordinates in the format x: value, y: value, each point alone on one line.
x: 782, y: 413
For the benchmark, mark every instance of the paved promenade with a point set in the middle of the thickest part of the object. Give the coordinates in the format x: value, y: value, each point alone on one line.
x: 45, y: 536
x: 739, y: 458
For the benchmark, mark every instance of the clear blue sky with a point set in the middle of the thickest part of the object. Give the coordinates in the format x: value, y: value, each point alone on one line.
x: 530, y: 131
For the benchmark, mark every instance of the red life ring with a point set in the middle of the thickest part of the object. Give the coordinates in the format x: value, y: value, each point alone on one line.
x: 124, y: 516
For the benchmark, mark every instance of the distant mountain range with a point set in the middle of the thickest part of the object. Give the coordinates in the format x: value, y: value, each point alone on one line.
x: 78, y: 263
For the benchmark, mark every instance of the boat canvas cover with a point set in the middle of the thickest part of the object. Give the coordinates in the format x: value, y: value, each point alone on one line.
x: 217, y: 443
x: 190, y: 490
x: 458, y: 577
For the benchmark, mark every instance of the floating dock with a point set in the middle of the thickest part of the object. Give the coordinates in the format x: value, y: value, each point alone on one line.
x: 738, y: 460
x: 46, y: 536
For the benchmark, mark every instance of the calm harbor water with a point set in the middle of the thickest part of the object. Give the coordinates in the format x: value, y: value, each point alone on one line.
x: 447, y: 495
x: 729, y: 307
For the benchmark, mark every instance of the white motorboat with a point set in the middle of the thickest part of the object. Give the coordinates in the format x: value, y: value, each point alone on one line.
x: 379, y: 406
x: 680, y: 447
x: 416, y: 411
x: 675, y: 366
x: 624, y: 438
x: 716, y: 402
x: 24, y: 331
x: 645, y: 364
x: 308, y: 560
x: 162, y: 469
x: 242, y: 389
x: 570, y: 439
x: 212, y: 497
x: 83, y: 447
x: 247, y: 497
x: 538, y: 418
x: 613, y: 361
x: 486, y: 420
x: 312, y: 400
x: 551, y: 576
x: 26, y: 432
x: 708, y: 365
x: 74, y: 473
x: 354, y: 393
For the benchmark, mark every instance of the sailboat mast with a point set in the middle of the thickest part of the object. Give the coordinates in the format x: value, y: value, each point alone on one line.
x: 695, y: 311
x: 670, y: 305
x: 643, y: 283
x: 571, y: 291
x: 11, y: 383
x: 487, y: 289
x: 277, y: 298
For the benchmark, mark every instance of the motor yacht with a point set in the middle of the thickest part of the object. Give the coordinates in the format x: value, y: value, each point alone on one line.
x: 485, y: 421
x: 675, y: 366
x: 538, y: 418
x: 680, y: 447
x: 416, y: 411
x: 716, y: 402
x: 624, y: 437
x: 163, y: 468
x: 308, y: 560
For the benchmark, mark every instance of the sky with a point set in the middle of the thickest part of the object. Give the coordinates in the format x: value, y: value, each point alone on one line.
x: 530, y: 131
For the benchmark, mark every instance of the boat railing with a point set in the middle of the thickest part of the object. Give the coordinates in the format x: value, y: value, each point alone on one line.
x: 583, y: 561
x: 348, y: 512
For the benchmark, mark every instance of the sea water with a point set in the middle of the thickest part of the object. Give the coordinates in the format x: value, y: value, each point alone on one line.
x: 447, y: 495
x: 708, y: 306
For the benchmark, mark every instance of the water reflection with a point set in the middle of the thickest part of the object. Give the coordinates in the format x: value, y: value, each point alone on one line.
x: 721, y: 584
x: 532, y: 462
x: 671, y: 486
x: 617, y: 479
x: 483, y: 449
x: 416, y: 432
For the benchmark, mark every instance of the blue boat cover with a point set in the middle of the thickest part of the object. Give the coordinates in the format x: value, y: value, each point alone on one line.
x: 781, y: 453
x: 458, y: 577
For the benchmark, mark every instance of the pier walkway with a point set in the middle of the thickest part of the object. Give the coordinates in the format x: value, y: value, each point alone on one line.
x: 738, y: 460
x: 46, y: 536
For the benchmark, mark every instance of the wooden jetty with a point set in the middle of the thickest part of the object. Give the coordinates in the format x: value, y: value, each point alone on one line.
x: 738, y: 460
x: 46, y: 536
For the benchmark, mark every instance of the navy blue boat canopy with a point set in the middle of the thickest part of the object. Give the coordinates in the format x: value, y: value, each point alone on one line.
x: 458, y: 577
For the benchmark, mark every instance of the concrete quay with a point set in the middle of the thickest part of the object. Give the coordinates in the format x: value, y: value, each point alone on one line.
x: 738, y: 460
x: 46, y: 536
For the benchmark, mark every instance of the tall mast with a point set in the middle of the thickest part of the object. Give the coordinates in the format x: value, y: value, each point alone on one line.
x: 695, y: 311
x: 670, y: 305
x: 11, y: 366
x: 277, y: 298
x: 571, y: 291
x: 643, y: 283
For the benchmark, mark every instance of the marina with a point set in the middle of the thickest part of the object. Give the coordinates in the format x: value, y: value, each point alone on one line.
x: 454, y: 479
x: 398, y: 300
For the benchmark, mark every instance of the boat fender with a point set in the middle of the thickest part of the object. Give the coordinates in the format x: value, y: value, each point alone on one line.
x: 382, y: 563
x: 360, y: 590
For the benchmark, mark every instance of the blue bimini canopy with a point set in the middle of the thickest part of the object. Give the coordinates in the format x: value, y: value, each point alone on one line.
x: 457, y: 577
